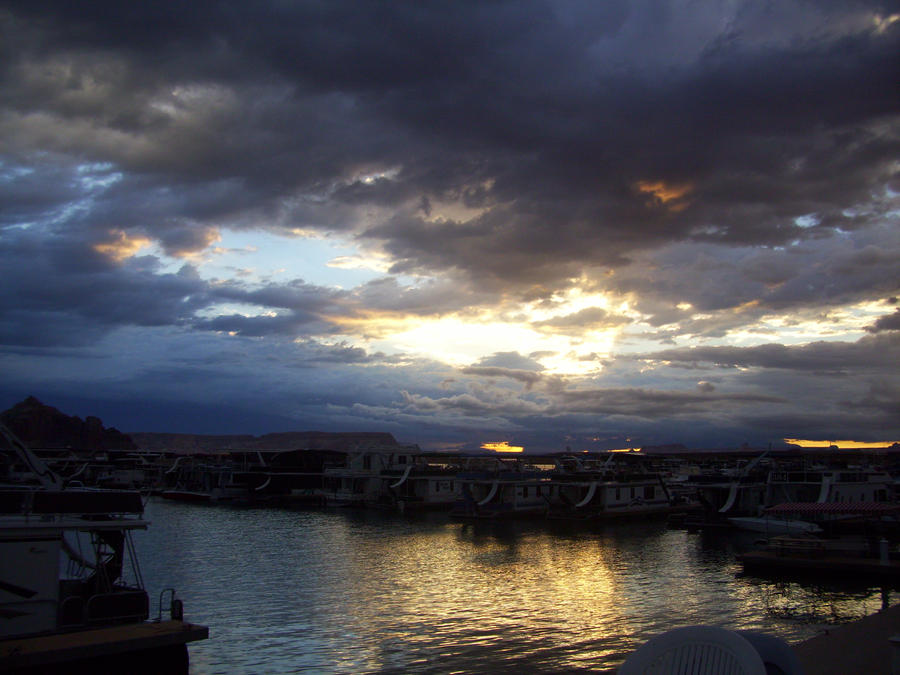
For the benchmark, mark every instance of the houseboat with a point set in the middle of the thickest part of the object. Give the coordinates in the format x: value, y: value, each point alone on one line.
x: 606, y: 488
x: 495, y: 487
x: 71, y: 594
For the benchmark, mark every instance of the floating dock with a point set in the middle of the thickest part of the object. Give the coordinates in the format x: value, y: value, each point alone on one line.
x: 775, y: 563
x: 134, y: 647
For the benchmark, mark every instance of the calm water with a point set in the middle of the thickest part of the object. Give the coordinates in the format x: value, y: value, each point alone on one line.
x: 366, y: 592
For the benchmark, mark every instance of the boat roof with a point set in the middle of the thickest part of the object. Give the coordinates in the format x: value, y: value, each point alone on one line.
x: 840, y: 508
x: 80, y: 502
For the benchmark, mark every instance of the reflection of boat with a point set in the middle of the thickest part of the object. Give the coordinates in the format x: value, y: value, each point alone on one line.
x: 71, y: 593
x: 773, y: 526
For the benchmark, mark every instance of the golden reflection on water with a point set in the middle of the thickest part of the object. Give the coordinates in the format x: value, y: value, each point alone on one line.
x: 362, y: 592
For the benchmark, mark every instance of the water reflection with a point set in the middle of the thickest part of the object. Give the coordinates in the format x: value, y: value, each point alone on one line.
x: 345, y: 591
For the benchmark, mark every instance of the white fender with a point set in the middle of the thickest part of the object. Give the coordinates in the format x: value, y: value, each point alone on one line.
x: 588, y: 497
x: 403, y: 477
x: 490, y: 494
x: 732, y: 497
x: 825, y: 492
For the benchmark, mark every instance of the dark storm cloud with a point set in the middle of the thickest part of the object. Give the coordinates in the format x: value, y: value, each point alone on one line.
x: 736, y: 286
x: 656, y: 403
x: 879, y: 353
x: 53, y: 284
x: 886, y: 322
x: 62, y: 291
x: 712, y: 165
x: 546, y: 115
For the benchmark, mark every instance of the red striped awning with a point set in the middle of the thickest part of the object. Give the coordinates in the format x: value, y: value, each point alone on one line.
x: 839, y: 508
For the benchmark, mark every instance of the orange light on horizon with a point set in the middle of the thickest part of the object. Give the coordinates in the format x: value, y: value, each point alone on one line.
x: 502, y: 446
x: 625, y: 450
x: 843, y: 445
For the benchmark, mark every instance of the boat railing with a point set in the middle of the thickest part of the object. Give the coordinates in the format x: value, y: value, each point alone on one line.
x: 119, y: 606
x: 175, y: 608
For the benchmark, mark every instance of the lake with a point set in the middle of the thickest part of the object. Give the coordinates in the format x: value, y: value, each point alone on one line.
x: 345, y: 591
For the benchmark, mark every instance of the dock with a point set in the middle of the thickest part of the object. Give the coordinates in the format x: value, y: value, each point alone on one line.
x: 857, y: 648
x: 137, y: 642
x: 774, y: 562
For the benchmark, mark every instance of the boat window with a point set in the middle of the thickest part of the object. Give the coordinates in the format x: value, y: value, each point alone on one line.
x: 649, y: 492
x: 618, y: 494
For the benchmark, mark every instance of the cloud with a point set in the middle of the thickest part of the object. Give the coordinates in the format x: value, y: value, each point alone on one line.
x: 725, y: 177
x: 590, y: 318
x: 527, y: 377
x: 886, y: 322
x: 868, y: 353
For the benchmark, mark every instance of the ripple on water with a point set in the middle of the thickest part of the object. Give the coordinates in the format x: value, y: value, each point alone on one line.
x: 350, y: 592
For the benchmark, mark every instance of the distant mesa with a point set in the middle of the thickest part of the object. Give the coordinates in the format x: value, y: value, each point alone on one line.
x: 291, y: 440
x: 42, y: 426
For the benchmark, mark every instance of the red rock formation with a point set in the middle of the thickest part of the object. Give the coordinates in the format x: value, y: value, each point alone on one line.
x: 42, y: 426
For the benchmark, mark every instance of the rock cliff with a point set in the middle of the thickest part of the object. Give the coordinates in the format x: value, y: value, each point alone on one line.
x: 42, y: 426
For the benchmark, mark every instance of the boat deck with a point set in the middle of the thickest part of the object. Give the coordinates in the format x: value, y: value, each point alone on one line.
x: 22, y: 653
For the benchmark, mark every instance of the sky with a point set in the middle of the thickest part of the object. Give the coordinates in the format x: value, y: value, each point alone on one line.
x: 547, y: 224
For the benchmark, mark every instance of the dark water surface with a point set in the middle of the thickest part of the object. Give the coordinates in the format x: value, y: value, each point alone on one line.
x: 341, y: 591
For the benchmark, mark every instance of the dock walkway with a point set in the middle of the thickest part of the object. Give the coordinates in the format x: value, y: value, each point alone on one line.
x: 857, y: 648
x: 45, y: 651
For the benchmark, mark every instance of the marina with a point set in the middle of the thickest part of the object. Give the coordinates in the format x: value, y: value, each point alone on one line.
x: 380, y: 558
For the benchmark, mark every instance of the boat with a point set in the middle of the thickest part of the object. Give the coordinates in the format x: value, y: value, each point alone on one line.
x: 775, y: 526
x: 498, y: 488
x: 365, y: 477
x: 824, y: 485
x: 606, y: 489
x: 869, y: 555
x: 71, y: 594
x: 421, y: 482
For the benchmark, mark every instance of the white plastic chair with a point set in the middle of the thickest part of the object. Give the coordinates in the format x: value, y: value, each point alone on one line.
x: 695, y: 650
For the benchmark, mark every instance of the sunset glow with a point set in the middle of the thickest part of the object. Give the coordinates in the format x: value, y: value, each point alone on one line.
x: 843, y: 445
x: 502, y: 446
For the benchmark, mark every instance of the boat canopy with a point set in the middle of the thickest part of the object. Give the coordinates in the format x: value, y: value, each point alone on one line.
x: 837, y: 508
